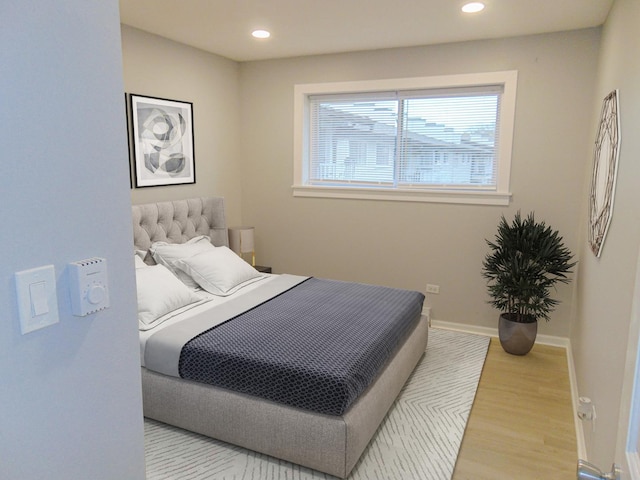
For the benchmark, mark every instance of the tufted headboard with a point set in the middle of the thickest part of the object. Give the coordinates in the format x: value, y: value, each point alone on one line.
x: 179, y: 221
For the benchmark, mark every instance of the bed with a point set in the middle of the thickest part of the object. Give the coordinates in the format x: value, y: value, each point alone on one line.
x: 330, y: 440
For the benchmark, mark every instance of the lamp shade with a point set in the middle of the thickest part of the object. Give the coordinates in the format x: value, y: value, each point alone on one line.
x: 241, y: 239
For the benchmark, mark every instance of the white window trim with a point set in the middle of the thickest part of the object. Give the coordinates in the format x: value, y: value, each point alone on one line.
x: 501, y: 196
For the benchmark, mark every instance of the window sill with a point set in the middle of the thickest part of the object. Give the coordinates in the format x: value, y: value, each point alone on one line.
x: 397, y: 195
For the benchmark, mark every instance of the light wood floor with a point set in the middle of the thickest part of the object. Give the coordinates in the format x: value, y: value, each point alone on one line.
x: 521, y: 425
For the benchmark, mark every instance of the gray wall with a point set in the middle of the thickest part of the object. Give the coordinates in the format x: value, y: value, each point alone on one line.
x: 244, y: 152
x: 158, y: 67
x: 410, y: 244
x: 604, y: 297
x: 70, y: 393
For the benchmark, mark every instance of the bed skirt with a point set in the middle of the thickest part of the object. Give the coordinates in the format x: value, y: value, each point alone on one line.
x: 330, y: 444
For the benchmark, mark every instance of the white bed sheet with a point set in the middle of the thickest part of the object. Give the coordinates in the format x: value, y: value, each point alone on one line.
x: 210, y: 301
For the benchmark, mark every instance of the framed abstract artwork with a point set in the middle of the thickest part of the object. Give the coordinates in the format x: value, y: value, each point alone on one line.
x: 605, y: 170
x: 162, y: 141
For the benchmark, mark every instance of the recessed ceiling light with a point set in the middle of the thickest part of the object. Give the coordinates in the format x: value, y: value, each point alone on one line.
x: 473, y: 7
x: 260, y: 34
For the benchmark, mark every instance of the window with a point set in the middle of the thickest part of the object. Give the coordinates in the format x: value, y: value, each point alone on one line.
x: 445, y: 139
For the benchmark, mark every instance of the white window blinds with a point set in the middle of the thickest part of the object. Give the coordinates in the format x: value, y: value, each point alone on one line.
x: 437, y: 138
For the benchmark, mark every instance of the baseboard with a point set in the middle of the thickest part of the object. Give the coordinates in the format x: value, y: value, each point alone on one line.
x: 551, y: 340
x: 543, y: 340
x: 463, y: 327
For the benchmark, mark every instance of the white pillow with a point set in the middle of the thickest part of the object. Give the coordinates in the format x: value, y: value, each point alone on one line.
x: 139, y: 262
x: 219, y: 271
x: 167, y: 253
x: 159, y: 293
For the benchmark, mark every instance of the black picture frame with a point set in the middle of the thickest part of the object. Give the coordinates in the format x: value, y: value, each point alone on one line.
x: 162, y: 141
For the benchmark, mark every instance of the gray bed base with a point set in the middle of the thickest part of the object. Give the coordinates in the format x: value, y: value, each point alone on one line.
x: 326, y: 443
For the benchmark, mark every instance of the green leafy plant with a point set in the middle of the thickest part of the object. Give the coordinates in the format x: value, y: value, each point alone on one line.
x: 525, y: 261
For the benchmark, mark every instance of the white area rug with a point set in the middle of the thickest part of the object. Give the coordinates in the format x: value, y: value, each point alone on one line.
x: 419, y: 439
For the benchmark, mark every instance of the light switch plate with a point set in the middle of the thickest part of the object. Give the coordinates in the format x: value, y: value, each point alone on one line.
x: 37, y: 298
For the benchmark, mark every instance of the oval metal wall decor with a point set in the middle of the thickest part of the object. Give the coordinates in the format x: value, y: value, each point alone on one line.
x: 605, y: 169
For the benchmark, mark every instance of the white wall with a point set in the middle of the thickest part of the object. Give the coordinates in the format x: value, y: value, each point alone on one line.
x: 158, y: 67
x: 408, y: 244
x: 605, y: 285
x: 69, y: 394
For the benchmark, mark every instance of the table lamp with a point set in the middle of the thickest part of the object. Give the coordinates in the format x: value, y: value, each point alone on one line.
x: 241, y: 241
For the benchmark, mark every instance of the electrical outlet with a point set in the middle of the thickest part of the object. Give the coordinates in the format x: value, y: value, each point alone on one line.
x: 433, y: 288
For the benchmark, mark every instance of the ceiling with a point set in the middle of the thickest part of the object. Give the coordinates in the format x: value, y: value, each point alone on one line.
x: 310, y: 27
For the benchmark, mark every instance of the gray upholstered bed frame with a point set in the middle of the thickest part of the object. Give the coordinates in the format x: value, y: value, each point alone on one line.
x: 322, y: 442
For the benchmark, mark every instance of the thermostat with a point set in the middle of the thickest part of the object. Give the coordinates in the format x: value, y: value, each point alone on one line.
x: 88, y: 286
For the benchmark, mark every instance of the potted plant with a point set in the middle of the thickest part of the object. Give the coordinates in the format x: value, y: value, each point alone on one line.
x: 526, y: 259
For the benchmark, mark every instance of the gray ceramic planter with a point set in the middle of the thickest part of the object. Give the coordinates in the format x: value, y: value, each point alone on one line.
x: 515, y: 337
